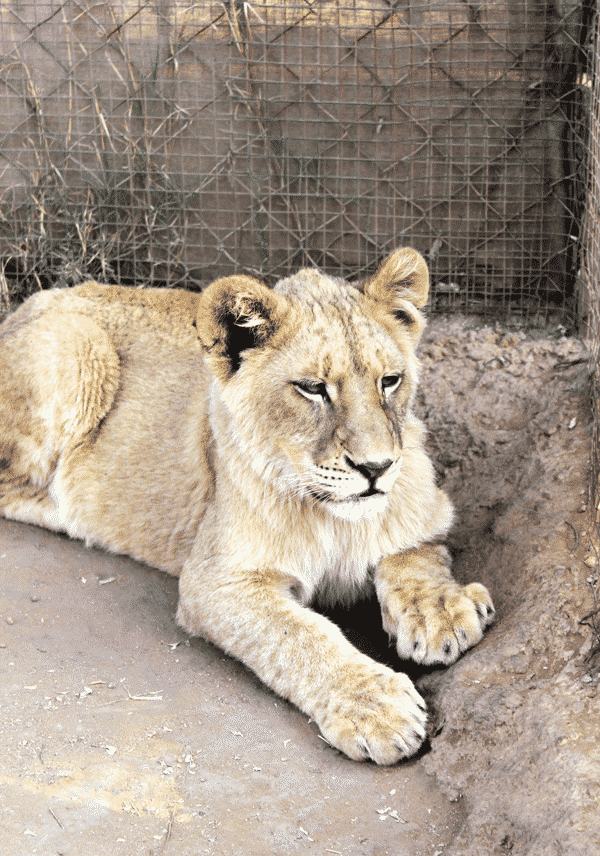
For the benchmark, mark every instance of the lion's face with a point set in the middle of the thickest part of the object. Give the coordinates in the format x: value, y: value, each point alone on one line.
x: 315, y: 379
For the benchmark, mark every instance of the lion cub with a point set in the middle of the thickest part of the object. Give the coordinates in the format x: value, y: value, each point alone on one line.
x: 261, y: 445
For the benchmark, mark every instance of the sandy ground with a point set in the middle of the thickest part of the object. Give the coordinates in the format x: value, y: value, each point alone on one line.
x: 120, y: 736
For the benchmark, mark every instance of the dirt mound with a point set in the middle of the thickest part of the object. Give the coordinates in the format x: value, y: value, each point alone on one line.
x: 510, y: 424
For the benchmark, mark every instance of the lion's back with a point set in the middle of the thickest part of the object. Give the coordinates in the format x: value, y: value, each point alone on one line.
x: 127, y: 314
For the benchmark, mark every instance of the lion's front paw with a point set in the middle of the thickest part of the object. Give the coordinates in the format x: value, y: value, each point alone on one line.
x: 439, y: 621
x: 373, y: 713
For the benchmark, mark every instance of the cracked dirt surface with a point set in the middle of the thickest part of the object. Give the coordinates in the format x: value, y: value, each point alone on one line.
x: 121, y: 736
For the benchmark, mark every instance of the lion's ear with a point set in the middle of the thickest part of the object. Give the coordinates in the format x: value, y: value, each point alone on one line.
x: 402, y: 276
x: 236, y: 313
x: 401, y: 286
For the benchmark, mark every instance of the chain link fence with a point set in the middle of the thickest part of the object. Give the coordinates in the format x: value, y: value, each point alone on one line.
x: 171, y: 142
x: 590, y: 319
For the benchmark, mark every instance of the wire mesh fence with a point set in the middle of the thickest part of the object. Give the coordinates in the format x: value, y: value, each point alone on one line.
x: 173, y: 141
x: 590, y: 317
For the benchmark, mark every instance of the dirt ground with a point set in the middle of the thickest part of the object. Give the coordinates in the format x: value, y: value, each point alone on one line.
x: 120, y: 736
x: 510, y: 429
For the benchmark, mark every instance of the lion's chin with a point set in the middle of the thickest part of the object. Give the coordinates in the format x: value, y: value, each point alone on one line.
x: 359, y: 508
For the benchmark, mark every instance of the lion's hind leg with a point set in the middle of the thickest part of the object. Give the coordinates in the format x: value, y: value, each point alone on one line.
x: 58, y: 378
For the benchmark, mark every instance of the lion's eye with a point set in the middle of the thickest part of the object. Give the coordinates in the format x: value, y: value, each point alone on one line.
x: 391, y: 382
x: 312, y: 389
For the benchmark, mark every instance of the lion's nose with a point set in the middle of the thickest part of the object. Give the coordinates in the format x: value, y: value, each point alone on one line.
x: 370, y: 469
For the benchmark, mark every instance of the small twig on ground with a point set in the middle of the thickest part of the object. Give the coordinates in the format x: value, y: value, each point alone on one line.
x: 163, y: 846
x: 55, y: 818
x: 131, y: 697
x: 169, y: 827
x: 586, y: 618
x: 576, y: 534
x: 144, y: 697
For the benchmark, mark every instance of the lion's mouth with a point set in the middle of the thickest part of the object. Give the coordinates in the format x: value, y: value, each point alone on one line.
x: 325, y: 497
x: 357, y: 498
x: 370, y: 491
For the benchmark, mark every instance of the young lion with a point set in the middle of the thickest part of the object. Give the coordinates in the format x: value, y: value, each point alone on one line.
x: 261, y: 445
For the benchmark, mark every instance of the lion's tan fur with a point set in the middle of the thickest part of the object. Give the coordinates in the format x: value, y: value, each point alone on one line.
x: 261, y: 445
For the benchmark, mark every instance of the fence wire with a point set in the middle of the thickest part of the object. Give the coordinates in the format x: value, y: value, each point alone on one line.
x: 590, y: 323
x: 171, y: 142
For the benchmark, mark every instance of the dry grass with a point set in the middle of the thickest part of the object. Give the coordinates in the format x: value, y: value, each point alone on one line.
x: 114, y: 234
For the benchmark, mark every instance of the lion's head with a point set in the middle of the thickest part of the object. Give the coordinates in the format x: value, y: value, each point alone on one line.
x: 313, y: 380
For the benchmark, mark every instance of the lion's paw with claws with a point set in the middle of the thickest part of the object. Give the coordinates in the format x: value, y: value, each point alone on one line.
x: 433, y: 618
x: 374, y: 713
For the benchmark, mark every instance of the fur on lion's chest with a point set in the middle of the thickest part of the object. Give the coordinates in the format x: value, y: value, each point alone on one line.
x: 344, y: 582
x: 330, y: 560
x: 324, y: 557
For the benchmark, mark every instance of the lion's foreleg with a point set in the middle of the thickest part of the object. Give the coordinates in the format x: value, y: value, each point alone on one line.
x: 431, y: 616
x: 362, y: 707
